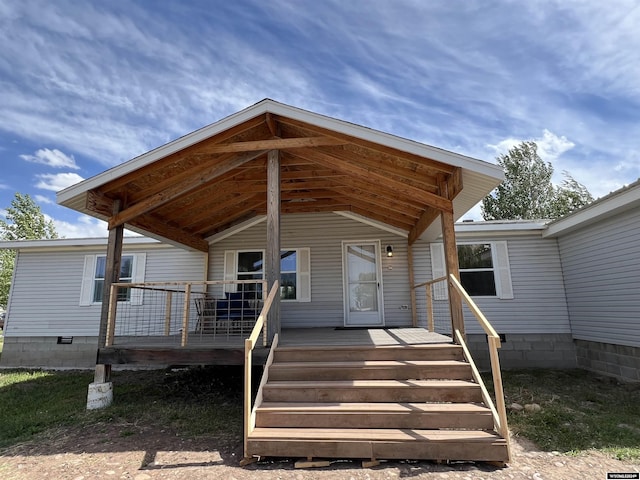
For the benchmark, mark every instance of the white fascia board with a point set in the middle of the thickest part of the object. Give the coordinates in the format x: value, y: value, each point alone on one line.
x: 161, y: 152
x: 502, y: 229
x: 616, y: 202
x: 71, y: 243
x: 393, y: 141
x: 373, y: 223
x: 229, y: 232
x: 276, y: 108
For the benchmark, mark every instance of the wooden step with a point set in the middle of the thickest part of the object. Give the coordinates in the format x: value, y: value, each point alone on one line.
x: 468, y: 416
x: 436, y: 351
x: 471, y: 445
x: 371, y: 370
x: 373, y: 391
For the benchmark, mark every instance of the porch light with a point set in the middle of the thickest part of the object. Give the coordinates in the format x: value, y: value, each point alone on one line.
x: 389, y: 250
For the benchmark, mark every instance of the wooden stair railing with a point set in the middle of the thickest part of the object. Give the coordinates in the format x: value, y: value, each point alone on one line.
x: 499, y: 410
x: 373, y: 402
x: 249, y: 344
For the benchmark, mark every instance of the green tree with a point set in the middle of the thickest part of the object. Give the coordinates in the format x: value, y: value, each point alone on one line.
x: 23, y: 221
x: 527, y: 192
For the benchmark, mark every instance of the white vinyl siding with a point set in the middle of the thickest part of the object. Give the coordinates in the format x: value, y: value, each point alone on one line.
x: 47, y: 286
x: 601, y: 264
x: 320, y: 237
x: 537, y: 303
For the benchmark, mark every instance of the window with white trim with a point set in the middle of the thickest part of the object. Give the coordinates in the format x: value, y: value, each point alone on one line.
x: 484, y: 268
x: 295, y: 282
x: 126, y: 276
x: 476, y: 269
x: 132, y: 269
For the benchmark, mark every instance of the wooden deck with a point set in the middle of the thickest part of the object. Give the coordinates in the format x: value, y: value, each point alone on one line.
x: 204, y: 349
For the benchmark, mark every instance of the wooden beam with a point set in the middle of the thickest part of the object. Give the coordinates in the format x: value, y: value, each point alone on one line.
x: 412, y: 282
x: 272, y: 123
x: 221, y: 227
x: 322, y: 205
x: 111, y: 275
x: 181, y: 188
x: 178, y: 356
x: 384, y: 212
x: 426, y: 219
x: 160, y: 227
x: 374, y: 178
x: 451, y: 262
x: 275, y: 143
x: 272, y: 260
x: 379, y: 201
x: 99, y: 203
x: 299, y: 129
x: 181, y: 157
x: 372, y: 214
x: 396, y: 167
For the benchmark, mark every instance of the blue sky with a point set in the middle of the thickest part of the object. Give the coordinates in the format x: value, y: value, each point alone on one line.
x: 86, y: 85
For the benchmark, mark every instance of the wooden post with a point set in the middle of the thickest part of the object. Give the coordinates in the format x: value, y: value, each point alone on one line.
x: 451, y: 262
x: 167, y: 313
x: 272, y: 261
x: 412, y: 282
x: 111, y: 275
x: 431, y: 325
x: 185, y: 315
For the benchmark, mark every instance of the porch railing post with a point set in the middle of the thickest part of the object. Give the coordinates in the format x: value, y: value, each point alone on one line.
x: 430, y: 322
x: 185, y: 315
x: 167, y: 313
x: 111, y: 317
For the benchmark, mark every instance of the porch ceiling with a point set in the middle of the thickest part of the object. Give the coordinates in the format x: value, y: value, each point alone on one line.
x: 209, y: 181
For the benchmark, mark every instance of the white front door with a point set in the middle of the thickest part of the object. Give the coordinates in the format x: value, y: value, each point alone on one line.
x: 362, y: 284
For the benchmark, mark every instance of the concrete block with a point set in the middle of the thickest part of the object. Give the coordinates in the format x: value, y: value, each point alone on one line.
x: 631, y: 374
x: 613, y: 369
x: 627, y: 361
x: 99, y: 395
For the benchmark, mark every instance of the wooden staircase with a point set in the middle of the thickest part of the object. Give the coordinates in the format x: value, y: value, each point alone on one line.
x: 391, y: 402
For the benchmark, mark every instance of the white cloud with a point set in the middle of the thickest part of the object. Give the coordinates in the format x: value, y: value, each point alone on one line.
x: 43, y: 199
x: 85, y: 227
x: 57, y: 181
x: 52, y: 158
x: 550, y: 145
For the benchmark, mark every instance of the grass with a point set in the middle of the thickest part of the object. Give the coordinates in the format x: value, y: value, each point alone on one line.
x: 579, y: 411
x: 193, y: 402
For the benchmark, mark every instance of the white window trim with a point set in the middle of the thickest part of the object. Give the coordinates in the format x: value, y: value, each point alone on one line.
x: 88, y: 279
x: 501, y: 267
x: 303, y: 271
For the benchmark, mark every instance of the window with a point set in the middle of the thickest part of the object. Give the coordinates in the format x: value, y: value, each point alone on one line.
x: 294, y: 272
x: 126, y: 275
x: 132, y: 268
x: 476, y: 269
x: 484, y: 268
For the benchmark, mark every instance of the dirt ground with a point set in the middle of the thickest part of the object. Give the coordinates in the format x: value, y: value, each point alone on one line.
x: 109, y: 451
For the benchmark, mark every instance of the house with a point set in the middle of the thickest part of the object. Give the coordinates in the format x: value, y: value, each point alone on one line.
x: 324, y: 249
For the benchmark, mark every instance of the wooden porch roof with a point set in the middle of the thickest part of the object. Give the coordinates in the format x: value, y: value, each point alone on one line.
x: 215, y: 178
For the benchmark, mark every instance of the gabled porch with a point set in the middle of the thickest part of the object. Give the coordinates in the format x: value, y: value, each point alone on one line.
x: 270, y: 163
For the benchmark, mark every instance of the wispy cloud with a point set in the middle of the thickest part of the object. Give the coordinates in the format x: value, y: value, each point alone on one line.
x: 550, y: 146
x: 82, y: 227
x: 57, y: 181
x: 44, y: 199
x: 52, y: 158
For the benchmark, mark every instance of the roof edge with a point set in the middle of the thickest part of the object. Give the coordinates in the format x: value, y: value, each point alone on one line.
x: 617, y: 201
